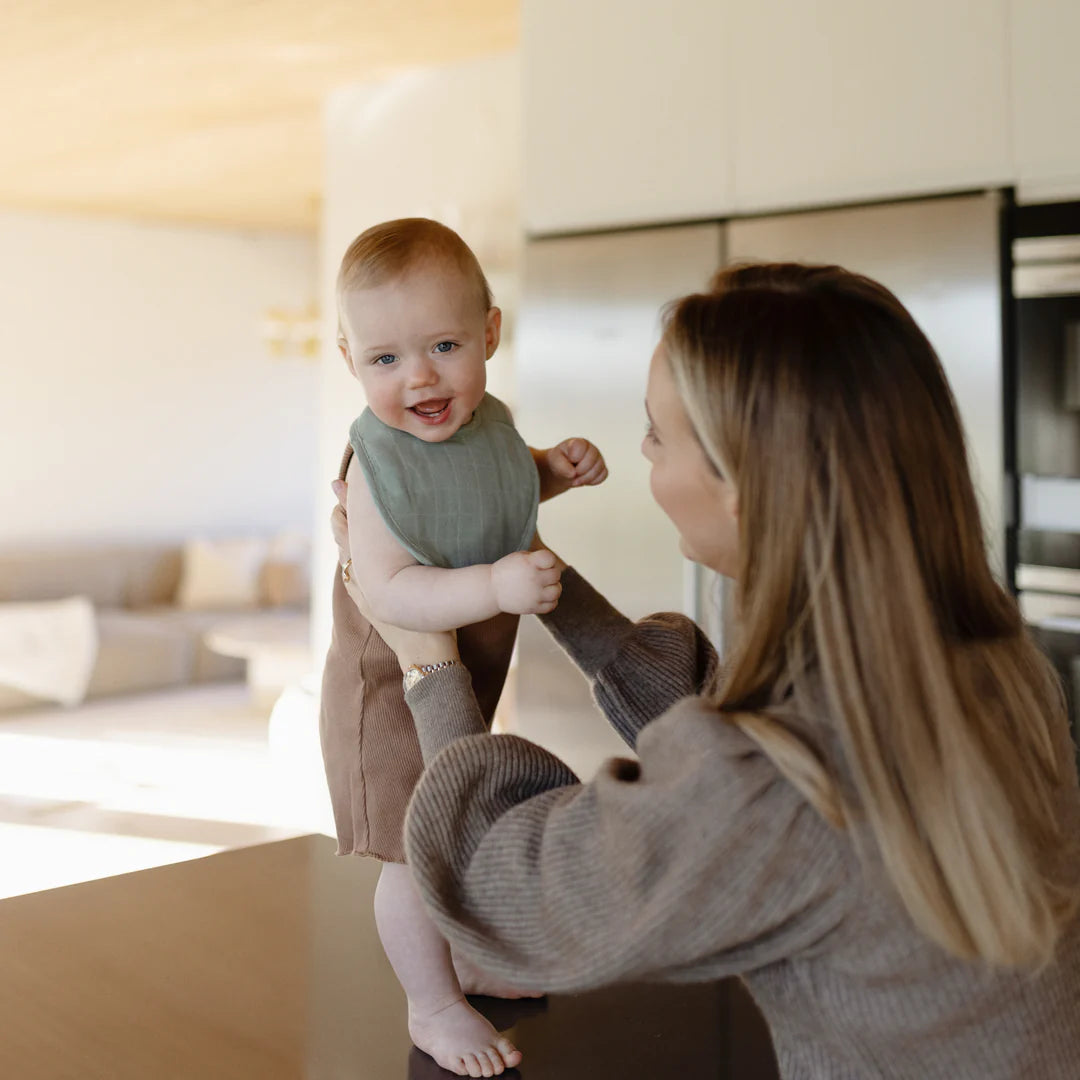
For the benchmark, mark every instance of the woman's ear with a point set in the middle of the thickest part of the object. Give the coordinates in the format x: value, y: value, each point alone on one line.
x: 725, y: 493
x: 492, y: 331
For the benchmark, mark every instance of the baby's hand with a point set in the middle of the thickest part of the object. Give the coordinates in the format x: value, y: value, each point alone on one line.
x: 577, y: 461
x: 526, y: 583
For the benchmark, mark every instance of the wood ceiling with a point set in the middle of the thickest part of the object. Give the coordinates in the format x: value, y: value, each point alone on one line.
x: 203, y: 112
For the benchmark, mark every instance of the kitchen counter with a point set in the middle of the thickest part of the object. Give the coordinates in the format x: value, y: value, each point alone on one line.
x: 264, y: 962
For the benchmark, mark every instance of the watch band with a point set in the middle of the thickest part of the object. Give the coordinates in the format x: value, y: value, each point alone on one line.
x: 417, y: 671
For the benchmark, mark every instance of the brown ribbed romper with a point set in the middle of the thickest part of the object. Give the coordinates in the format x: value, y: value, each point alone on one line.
x: 369, y: 743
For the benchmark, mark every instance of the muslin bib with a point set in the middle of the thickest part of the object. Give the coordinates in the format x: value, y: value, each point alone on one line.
x: 470, y: 499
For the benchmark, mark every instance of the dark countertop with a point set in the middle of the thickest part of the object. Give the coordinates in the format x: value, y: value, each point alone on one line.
x: 264, y: 962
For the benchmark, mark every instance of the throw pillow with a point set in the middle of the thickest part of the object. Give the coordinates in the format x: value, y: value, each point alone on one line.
x: 221, y: 574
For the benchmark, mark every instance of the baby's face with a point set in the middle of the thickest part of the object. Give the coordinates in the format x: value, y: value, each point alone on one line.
x: 419, y: 345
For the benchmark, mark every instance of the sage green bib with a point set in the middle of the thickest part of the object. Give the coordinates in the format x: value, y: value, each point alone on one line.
x: 471, y: 499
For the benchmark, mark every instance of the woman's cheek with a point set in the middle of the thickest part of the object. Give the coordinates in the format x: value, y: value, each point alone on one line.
x: 656, y: 487
x: 667, y: 500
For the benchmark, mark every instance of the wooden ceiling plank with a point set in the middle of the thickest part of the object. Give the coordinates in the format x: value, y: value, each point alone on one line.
x: 207, y: 112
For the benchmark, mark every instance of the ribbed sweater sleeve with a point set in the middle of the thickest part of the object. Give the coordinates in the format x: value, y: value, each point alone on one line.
x: 444, y: 707
x: 697, y: 857
x: 638, y: 670
x: 697, y: 861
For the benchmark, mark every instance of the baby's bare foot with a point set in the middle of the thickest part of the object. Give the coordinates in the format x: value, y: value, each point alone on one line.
x: 474, y: 980
x: 461, y: 1040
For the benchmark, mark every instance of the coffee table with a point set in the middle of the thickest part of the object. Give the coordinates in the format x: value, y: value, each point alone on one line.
x: 277, y: 649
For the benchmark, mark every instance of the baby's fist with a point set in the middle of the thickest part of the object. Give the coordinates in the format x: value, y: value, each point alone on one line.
x: 578, y: 461
x: 526, y: 583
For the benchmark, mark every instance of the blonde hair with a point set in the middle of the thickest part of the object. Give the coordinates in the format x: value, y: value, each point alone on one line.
x: 390, y: 250
x: 863, y: 574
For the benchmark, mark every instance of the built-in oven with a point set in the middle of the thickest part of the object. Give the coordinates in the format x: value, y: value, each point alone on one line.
x: 1045, y: 547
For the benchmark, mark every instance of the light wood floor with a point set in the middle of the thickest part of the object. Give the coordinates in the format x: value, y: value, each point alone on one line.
x: 130, y: 783
x: 134, y: 782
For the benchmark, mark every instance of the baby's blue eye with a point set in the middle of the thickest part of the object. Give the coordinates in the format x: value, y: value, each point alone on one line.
x: 385, y: 359
x: 444, y: 347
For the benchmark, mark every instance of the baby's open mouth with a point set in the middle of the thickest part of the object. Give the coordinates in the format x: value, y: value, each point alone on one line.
x: 432, y: 412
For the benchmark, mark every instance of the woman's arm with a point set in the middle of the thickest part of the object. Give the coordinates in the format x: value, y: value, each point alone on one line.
x: 696, y: 862
x: 401, y: 591
x: 637, y: 670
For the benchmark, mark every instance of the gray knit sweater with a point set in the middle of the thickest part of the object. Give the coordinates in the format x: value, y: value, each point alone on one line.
x: 698, y: 861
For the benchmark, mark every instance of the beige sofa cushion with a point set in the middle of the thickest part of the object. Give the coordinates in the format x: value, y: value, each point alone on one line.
x: 220, y: 574
x: 146, y: 643
x: 54, y: 573
x: 284, y: 584
x: 285, y: 580
x: 12, y: 700
x: 206, y: 665
x: 135, y: 653
x: 111, y: 575
x: 138, y: 653
x: 152, y: 576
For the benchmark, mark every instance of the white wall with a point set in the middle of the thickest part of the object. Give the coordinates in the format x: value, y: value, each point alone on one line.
x: 136, y: 398
x: 441, y: 143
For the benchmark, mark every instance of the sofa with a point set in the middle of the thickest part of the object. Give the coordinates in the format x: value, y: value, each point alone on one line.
x: 150, y: 635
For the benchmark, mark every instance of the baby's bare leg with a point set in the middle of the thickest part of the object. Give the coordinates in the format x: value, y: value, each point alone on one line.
x: 474, y: 980
x: 441, y: 1022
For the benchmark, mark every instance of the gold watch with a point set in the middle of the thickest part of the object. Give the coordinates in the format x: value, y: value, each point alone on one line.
x: 417, y: 671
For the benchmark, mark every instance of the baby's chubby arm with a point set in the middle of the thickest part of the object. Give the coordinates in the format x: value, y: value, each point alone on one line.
x: 573, y: 463
x: 403, y: 592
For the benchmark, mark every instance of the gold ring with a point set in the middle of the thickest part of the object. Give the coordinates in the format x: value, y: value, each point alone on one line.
x: 346, y: 577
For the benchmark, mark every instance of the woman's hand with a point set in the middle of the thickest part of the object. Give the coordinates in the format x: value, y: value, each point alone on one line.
x: 339, y: 523
x: 411, y: 646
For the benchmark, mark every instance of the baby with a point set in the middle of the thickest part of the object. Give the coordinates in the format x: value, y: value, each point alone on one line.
x: 442, y: 498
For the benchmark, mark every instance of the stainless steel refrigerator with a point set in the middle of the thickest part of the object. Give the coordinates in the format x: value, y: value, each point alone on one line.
x: 589, y: 319
x: 588, y: 322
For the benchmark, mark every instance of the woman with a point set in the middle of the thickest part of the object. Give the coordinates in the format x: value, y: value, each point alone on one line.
x: 870, y: 812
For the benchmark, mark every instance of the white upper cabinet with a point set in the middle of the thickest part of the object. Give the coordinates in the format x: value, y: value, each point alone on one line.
x: 1046, y: 97
x: 626, y: 112
x: 842, y: 100
x: 638, y: 112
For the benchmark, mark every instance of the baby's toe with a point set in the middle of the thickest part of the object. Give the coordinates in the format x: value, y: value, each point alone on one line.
x: 472, y: 1065
x: 510, y: 1054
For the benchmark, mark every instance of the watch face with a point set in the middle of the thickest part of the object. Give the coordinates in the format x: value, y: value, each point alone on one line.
x: 412, y: 677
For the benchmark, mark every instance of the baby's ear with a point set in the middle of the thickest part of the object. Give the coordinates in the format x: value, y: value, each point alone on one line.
x: 492, y: 331
x: 343, y: 346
